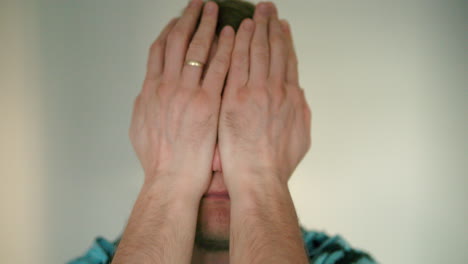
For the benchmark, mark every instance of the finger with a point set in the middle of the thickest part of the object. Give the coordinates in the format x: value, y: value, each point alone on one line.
x: 200, y: 46
x: 306, y: 111
x: 219, y: 66
x: 239, y: 70
x: 155, y: 64
x: 292, y: 75
x: 303, y: 106
x: 178, y: 39
x: 278, y: 49
x: 259, y: 51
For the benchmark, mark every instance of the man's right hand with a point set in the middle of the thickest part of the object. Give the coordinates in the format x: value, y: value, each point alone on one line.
x: 175, y: 116
x: 173, y: 132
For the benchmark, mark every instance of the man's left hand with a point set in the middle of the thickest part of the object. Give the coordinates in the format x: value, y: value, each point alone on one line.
x: 264, y: 125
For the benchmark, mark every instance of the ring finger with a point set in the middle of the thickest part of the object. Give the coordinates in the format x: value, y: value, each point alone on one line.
x: 201, y: 43
x: 178, y: 40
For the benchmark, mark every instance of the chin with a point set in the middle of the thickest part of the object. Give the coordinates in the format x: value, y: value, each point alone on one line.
x: 214, y: 218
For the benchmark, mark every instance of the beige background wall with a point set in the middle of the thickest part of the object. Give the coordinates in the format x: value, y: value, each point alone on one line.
x: 387, y: 85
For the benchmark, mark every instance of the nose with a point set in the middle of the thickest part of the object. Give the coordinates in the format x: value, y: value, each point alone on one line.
x: 216, y: 164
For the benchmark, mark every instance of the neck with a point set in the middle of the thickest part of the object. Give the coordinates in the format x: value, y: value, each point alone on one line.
x: 201, y: 256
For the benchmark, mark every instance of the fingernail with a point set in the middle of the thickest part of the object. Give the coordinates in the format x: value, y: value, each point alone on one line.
x: 209, y: 7
x: 284, y: 25
x: 274, y: 9
x: 265, y: 9
x: 226, y: 31
x: 248, y: 24
x: 193, y: 3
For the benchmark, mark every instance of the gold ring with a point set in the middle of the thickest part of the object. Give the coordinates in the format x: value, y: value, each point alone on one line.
x: 194, y: 63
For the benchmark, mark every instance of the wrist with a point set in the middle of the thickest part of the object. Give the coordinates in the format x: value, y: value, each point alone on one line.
x: 254, y: 184
x: 174, y: 190
x: 162, y: 210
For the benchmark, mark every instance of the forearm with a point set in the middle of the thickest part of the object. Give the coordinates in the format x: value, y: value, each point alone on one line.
x: 264, y: 224
x: 161, y: 227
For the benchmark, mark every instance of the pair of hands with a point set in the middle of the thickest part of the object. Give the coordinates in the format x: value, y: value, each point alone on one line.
x: 261, y: 120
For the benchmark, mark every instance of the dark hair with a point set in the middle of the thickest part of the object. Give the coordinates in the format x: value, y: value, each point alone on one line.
x: 232, y: 13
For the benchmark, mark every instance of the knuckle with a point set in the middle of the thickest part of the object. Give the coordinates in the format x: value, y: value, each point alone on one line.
x: 203, y: 104
x: 221, y: 60
x: 276, y: 39
x: 261, y: 96
x: 237, y: 68
x: 179, y: 101
x: 295, y: 95
x: 261, y: 56
x: 164, y: 81
x: 278, y: 87
x: 279, y: 90
x: 259, y: 45
x: 218, y: 72
x: 293, y: 60
x: 308, y: 111
x: 136, y: 105
x: 260, y: 51
x: 308, y: 143
x: 259, y: 85
x: 177, y: 34
x: 163, y: 90
x: 297, y: 91
x: 279, y: 97
x: 240, y: 58
x: 202, y: 100
x: 156, y: 45
x: 137, y: 101
x: 197, y: 45
x: 304, y: 98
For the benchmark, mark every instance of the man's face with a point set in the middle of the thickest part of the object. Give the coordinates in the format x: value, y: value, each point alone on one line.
x: 214, y: 212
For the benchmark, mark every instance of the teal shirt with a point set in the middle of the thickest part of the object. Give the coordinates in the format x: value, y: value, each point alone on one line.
x: 321, y: 249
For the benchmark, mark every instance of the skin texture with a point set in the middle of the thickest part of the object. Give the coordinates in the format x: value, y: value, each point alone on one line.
x: 265, y: 120
x: 240, y: 124
x: 264, y: 132
x: 173, y: 132
x: 175, y: 116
